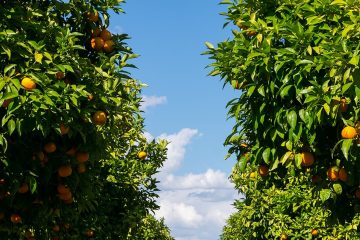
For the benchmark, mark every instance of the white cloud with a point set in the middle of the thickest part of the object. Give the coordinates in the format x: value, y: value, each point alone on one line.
x: 195, y: 206
x: 176, y: 148
x: 209, y: 180
x: 152, y: 101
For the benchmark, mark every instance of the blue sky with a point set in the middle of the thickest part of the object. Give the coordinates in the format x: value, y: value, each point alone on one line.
x: 185, y: 106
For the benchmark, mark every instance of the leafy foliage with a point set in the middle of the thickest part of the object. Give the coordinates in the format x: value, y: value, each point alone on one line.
x: 297, y: 66
x: 71, y: 127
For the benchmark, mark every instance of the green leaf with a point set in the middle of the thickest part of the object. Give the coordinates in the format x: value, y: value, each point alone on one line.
x: 242, y: 163
x: 337, y: 188
x: 354, y: 60
x: 298, y: 160
x: 209, y: 45
x: 266, y: 155
x: 325, y: 194
x: 38, y: 57
x: 11, y: 126
x: 292, y: 119
x: 345, y: 146
x: 284, y: 92
x: 326, y: 108
x: 9, y: 67
x: 33, y: 184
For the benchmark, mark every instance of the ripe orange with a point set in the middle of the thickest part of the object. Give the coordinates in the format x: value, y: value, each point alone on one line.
x: 63, y: 189
x: 65, y: 196
x: 24, y: 188
x: 95, y: 32
x: 307, y: 159
x: 357, y: 193
x: 92, y: 16
x: 28, y: 83
x: 99, y: 118
x: 6, y: 103
x: 64, y: 129
x: 82, y: 157
x: 97, y: 43
x: 343, y: 176
x: 60, y: 75
x: 89, y: 233
x: 105, y: 35
x: 348, y: 132
x: 15, y: 218
x: 65, y: 171
x: 244, y: 145
x: 142, y: 155
x: 263, y: 170
x: 56, y: 228
x: 333, y: 173
x: 81, y: 168
x: 50, y: 147
x: 108, y: 46
x: 343, y: 105
x: 69, y: 201
x: 90, y: 97
x: 253, y: 175
x: 72, y: 151
x: 41, y: 156
x: 314, y: 232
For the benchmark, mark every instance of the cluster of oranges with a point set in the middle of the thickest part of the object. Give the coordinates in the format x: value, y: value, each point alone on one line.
x: 101, y: 38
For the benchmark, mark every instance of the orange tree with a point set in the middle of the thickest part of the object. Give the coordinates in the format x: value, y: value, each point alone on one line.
x: 74, y: 161
x: 296, y: 138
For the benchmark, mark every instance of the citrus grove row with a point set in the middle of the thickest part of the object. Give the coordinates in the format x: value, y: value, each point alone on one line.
x: 297, y: 131
x: 74, y: 161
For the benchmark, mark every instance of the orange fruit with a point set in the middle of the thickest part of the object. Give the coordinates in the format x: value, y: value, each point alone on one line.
x: 357, y: 193
x: 343, y: 105
x: 72, y: 151
x: 99, y: 118
x: 41, y: 156
x: 142, y: 155
x: 314, y: 232
x: 92, y: 16
x: 244, y: 145
x: 348, y: 132
x: 50, y: 147
x: 6, y: 103
x: 315, y: 179
x: 60, y: 75
x: 2, y: 181
x: 56, y: 228
x: 105, y: 35
x: 82, y: 157
x: 253, y: 175
x: 66, y: 226
x: 63, y: 189
x: 95, y: 32
x: 69, y: 201
x: 97, y: 43
x: 108, y: 46
x: 90, y: 97
x: 81, y: 168
x: 28, y: 83
x: 15, y: 218
x: 307, y: 159
x: 283, y: 236
x: 89, y: 233
x: 343, y: 176
x: 251, y: 33
x: 64, y: 129
x: 24, y: 188
x: 65, y: 171
x: 263, y: 170
x: 333, y: 173
x: 65, y: 196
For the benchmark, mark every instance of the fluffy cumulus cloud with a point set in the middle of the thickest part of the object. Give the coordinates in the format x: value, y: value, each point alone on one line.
x: 195, y: 206
x: 152, y: 101
x: 177, y: 148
